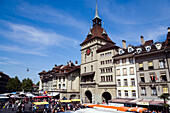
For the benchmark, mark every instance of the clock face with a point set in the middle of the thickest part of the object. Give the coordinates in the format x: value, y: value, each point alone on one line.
x: 88, y: 51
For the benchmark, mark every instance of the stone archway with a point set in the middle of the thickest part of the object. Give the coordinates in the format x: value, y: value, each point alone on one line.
x: 106, y: 96
x: 88, y: 97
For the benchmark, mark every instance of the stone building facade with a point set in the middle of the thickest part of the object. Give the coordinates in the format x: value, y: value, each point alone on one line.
x: 126, y: 72
x: 97, y: 72
x: 62, y: 81
x: 152, y: 65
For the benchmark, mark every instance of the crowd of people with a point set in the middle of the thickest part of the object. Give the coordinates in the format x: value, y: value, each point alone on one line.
x: 56, y: 106
x: 15, y: 104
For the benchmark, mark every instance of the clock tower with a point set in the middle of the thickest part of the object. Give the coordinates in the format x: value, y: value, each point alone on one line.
x: 96, y: 38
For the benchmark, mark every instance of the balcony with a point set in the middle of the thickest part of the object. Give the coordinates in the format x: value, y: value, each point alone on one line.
x: 88, y: 83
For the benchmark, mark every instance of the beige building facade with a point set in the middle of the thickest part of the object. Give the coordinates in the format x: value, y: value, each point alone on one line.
x: 97, y: 82
x: 62, y: 81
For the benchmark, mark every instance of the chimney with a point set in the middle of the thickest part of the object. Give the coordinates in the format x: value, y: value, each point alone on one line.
x: 76, y: 62
x: 168, y: 29
x: 124, y: 44
x: 142, y: 40
x: 55, y: 65
x: 70, y: 63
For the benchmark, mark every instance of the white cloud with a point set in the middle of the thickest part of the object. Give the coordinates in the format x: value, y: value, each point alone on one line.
x: 6, y: 60
x: 30, y: 35
x: 156, y: 33
x: 49, y: 14
x: 17, y: 49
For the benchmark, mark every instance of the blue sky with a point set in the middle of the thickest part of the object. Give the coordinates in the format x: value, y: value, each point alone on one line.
x: 41, y: 33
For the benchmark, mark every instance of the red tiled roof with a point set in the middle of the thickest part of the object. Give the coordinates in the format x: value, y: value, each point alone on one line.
x: 97, y: 31
x: 148, y: 43
x: 61, y: 70
x: 107, y: 46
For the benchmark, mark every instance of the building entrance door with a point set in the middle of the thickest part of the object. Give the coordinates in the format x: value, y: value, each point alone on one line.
x: 106, y: 96
x: 88, y: 97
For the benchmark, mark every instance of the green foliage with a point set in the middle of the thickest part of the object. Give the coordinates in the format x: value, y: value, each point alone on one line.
x: 164, y: 96
x: 37, y: 84
x: 14, y: 84
x: 27, y: 85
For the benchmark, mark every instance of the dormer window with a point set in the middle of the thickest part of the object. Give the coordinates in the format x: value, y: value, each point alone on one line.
x: 148, y: 48
x: 121, y: 51
x: 158, y: 46
x: 130, y: 49
x: 139, y: 50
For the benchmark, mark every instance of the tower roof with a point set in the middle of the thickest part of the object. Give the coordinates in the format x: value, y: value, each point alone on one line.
x: 97, y: 33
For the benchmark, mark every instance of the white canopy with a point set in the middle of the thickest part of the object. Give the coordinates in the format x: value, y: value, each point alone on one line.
x: 30, y: 95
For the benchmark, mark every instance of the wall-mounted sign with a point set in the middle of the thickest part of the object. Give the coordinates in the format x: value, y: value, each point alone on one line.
x: 142, y: 103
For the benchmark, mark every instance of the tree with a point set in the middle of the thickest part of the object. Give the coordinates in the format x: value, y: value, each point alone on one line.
x: 37, y: 84
x: 27, y: 85
x: 14, y: 84
x: 165, y: 97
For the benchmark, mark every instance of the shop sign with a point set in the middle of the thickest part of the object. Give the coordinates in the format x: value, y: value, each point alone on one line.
x: 142, y: 103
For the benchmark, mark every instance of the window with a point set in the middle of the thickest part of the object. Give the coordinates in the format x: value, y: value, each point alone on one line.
x: 85, y: 56
x: 132, y: 82
x: 59, y: 79
x: 119, y: 93
x: 64, y: 86
x: 142, y: 78
x: 120, y: 51
x: 161, y: 64
x: 111, y: 77
x: 84, y: 69
x: 118, y: 72
x: 163, y: 77
x: 125, y: 82
x: 124, y: 71
x: 140, y: 66
x: 158, y: 46
x: 102, y: 78
x: 133, y: 93
x: 131, y: 70
x: 154, y: 92
x: 143, y: 92
x: 129, y: 49
x: 148, y: 48
x: 123, y: 61
x: 126, y: 93
x: 131, y: 60
x: 59, y: 86
x: 110, y: 61
x: 150, y: 65
x: 63, y: 79
x: 153, y: 77
x: 117, y: 62
x: 107, y: 78
x: 139, y: 50
x: 165, y: 90
x: 101, y: 55
x: 91, y: 68
x: 118, y: 82
x: 102, y: 70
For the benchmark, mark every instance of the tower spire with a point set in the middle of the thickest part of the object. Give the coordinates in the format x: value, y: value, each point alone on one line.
x: 96, y: 13
x: 97, y: 20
